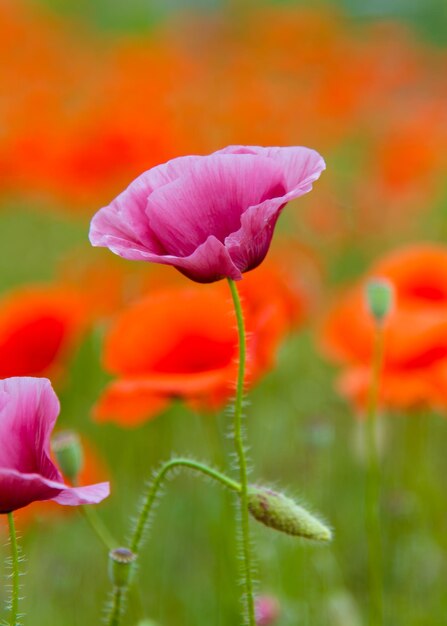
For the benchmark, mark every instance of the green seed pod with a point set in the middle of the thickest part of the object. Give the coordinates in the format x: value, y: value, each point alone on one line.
x: 281, y: 513
x: 67, y: 448
x: 121, y: 563
x: 379, y: 298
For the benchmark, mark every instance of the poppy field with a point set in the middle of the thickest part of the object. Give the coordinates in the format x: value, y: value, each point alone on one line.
x: 223, y: 313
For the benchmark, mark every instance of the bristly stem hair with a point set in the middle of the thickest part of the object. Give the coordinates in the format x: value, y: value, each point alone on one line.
x: 154, y: 487
x: 15, y: 571
x: 148, y: 501
x: 242, y: 461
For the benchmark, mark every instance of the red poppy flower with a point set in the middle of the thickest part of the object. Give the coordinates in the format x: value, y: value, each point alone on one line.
x: 415, y: 333
x: 182, y: 342
x: 39, y: 327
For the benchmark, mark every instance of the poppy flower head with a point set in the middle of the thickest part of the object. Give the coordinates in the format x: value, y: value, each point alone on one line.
x: 211, y: 217
x: 177, y: 342
x: 38, y: 328
x: 415, y: 332
x: 28, y: 411
x: 181, y: 342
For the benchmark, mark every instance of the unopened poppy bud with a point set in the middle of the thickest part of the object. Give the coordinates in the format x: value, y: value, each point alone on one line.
x: 282, y: 513
x: 67, y: 448
x: 121, y: 562
x: 379, y: 298
x: 266, y: 610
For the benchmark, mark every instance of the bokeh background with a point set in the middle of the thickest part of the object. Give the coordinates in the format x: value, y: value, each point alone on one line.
x: 92, y: 94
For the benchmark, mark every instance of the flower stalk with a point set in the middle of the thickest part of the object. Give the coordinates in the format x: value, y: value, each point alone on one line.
x: 15, y: 571
x: 373, y: 485
x: 149, y: 498
x: 151, y: 495
x: 242, y: 461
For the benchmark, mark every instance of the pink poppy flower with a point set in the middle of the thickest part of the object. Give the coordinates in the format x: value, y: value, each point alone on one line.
x: 28, y: 411
x: 267, y: 610
x: 211, y: 217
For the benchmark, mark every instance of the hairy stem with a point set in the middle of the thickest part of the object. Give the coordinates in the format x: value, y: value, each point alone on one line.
x: 373, y: 487
x: 154, y: 487
x: 117, y: 606
x: 15, y: 571
x: 242, y: 460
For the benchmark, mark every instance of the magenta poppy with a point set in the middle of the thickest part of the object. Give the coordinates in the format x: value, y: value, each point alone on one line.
x: 28, y: 411
x: 211, y: 217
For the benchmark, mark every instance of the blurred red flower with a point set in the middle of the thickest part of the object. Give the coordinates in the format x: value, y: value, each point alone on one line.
x: 39, y: 328
x: 415, y: 333
x: 181, y: 342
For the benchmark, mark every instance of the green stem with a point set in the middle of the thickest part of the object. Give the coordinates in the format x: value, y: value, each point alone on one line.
x: 117, y: 606
x: 373, y: 486
x: 15, y: 571
x: 155, y: 485
x: 242, y: 460
x: 98, y: 527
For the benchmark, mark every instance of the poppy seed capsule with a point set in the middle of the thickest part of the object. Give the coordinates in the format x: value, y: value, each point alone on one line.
x: 379, y: 298
x: 121, y: 561
x: 67, y: 448
x: 281, y: 513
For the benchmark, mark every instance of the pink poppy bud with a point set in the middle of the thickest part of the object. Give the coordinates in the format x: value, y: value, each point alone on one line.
x: 67, y: 449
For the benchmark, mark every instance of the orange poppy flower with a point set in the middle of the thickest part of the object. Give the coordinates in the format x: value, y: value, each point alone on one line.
x: 181, y: 342
x: 415, y: 333
x: 39, y: 327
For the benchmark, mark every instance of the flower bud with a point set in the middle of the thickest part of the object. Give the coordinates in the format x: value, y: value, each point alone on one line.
x: 282, y: 513
x: 379, y: 295
x: 67, y: 448
x: 121, y: 562
x: 267, y: 610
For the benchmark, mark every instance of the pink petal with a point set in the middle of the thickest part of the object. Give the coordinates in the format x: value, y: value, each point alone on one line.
x: 248, y: 246
x: 300, y: 166
x: 91, y: 494
x: 209, y: 262
x: 28, y: 412
x: 210, y: 200
x: 18, y: 490
x: 122, y: 226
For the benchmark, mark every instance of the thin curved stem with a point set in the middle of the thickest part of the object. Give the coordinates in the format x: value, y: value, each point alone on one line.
x: 373, y: 486
x: 155, y: 485
x: 242, y: 460
x: 15, y: 571
x: 119, y: 594
x: 98, y: 527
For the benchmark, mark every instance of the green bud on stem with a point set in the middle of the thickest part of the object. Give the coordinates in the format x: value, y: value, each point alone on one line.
x: 379, y: 295
x: 67, y: 448
x: 281, y: 513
